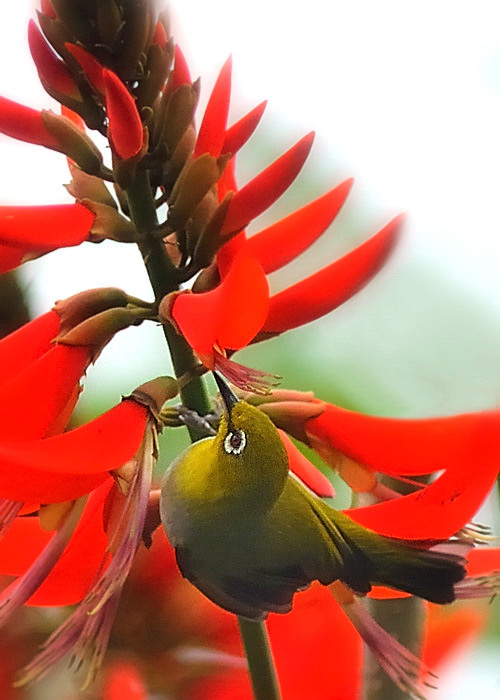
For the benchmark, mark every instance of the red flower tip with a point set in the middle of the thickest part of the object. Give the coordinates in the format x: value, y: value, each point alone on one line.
x: 213, y: 126
x: 257, y: 195
x: 180, y: 74
x: 306, y: 471
x: 323, y: 291
x: 228, y: 316
x: 47, y: 9
x: 160, y: 35
x: 89, y: 64
x: 25, y: 124
x: 280, y: 243
x: 54, y: 75
x: 238, y: 134
x: 46, y: 227
x: 125, y: 126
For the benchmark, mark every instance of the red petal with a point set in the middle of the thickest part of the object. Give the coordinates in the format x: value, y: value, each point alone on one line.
x: 305, y: 470
x: 45, y: 227
x: 125, y: 126
x: 51, y: 382
x: 280, y: 243
x: 104, y: 444
x: 159, y: 35
x: 441, y: 509
x: 257, y: 195
x: 483, y: 561
x: 10, y: 257
x: 75, y: 572
x: 238, y: 134
x: 229, y: 315
x: 450, y: 631
x: 26, y: 344
x: 314, y: 644
x: 124, y: 682
x: 52, y: 71
x: 90, y: 65
x: 47, y: 9
x: 409, y: 446
x: 213, y: 126
x: 74, y: 117
x: 180, y: 74
x: 333, y: 285
x: 24, y: 124
x: 26, y: 484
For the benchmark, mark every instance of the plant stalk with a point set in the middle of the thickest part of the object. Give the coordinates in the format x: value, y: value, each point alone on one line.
x: 260, y: 659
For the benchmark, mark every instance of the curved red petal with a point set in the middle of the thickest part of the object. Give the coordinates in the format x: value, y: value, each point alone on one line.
x: 258, y: 194
x: 125, y: 125
x: 213, y: 126
x: 305, y: 470
x: 409, y: 446
x: 323, y: 291
x: 25, y: 124
x: 180, y: 73
x: 123, y: 681
x: 52, y: 71
x: 27, y: 344
x: 280, y: 243
x: 104, y: 444
x: 51, y: 380
x: 45, y: 227
x: 75, y: 572
x: 229, y: 315
x: 90, y: 66
x: 29, y: 484
x: 239, y: 133
x: 441, y: 509
x: 483, y: 561
x: 159, y: 35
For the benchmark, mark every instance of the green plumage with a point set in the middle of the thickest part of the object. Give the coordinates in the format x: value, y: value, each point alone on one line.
x: 249, y: 535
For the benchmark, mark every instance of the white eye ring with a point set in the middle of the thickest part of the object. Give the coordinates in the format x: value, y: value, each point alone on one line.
x: 235, y: 442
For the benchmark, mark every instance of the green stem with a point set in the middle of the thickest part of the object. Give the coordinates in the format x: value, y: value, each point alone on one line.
x: 161, y: 273
x: 260, y: 659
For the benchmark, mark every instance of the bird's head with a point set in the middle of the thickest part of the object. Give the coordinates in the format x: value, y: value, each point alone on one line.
x: 249, y: 444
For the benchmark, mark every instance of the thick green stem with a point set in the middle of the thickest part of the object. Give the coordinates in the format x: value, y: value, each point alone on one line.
x: 161, y: 273
x: 260, y: 660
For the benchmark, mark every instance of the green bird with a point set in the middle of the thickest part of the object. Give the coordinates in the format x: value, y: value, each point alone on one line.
x: 249, y: 535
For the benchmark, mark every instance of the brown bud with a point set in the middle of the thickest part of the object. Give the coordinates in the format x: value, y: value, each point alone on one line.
x: 156, y: 71
x: 156, y: 392
x: 73, y: 142
x: 78, y: 307
x: 109, y: 20
x: 135, y: 37
x: 195, y: 180
x: 85, y: 186
x: 109, y: 224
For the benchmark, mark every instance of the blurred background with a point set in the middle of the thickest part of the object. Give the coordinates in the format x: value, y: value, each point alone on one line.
x: 405, y: 97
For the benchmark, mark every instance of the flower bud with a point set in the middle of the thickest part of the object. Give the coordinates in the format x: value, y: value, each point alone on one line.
x: 73, y: 142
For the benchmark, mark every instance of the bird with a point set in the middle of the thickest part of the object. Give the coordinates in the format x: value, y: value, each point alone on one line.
x: 249, y: 535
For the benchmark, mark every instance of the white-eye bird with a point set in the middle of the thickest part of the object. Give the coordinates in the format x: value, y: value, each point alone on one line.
x: 249, y: 535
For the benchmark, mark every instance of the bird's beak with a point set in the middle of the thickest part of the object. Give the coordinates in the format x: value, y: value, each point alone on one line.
x: 228, y: 397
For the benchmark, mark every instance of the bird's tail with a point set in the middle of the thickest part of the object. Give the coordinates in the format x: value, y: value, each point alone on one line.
x: 366, y: 558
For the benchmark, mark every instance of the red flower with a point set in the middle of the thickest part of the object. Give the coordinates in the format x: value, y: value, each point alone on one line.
x: 27, y: 232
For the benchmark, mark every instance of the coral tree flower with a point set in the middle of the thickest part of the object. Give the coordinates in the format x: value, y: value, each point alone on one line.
x: 270, y: 249
x: 27, y: 232
x: 96, y: 542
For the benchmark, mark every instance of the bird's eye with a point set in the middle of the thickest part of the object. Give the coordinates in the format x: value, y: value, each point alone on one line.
x: 234, y: 442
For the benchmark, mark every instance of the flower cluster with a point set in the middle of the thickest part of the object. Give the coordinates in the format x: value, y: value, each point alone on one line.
x: 77, y: 505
